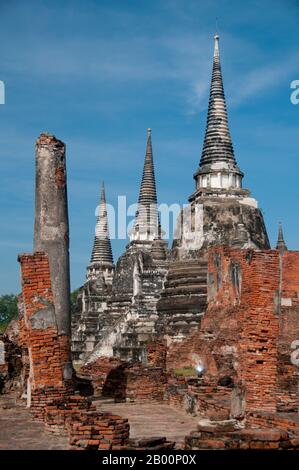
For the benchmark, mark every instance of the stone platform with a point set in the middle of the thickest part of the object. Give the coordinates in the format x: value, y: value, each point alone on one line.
x: 19, y: 432
x: 148, y: 419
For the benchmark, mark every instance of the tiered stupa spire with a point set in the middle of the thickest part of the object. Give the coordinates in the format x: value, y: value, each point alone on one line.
x: 101, y: 256
x: 147, y: 226
x: 281, y: 244
x: 218, y: 167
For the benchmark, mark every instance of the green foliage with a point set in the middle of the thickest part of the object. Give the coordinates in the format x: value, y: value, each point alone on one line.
x: 8, y: 310
x: 74, y: 296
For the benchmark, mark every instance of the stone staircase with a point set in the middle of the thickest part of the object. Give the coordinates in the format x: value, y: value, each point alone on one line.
x: 184, y: 297
x: 110, y: 336
x: 96, y: 323
x: 127, y: 337
x: 132, y: 344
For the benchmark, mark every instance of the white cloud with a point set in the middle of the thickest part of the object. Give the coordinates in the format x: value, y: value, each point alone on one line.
x: 263, y: 79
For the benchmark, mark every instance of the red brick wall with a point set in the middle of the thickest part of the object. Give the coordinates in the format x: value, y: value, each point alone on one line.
x: 156, y: 354
x: 239, y: 332
x: 107, y: 376
x: 145, y: 383
x: 260, y: 327
x: 246, y: 333
x: 288, y: 341
x: 126, y: 381
x: 290, y: 279
x: 48, y: 352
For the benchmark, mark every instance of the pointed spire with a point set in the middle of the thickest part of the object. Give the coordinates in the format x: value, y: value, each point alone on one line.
x: 102, y: 252
x: 217, y: 143
x: 281, y: 245
x: 216, y: 45
x: 218, y: 167
x: 147, y: 225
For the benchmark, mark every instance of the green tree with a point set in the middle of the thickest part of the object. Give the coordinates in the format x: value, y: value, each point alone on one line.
x: 74, y: 296
x: 8, y: 309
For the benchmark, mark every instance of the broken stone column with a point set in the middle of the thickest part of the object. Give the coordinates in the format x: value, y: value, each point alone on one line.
x: 46, y: 282
x: 51, y: 230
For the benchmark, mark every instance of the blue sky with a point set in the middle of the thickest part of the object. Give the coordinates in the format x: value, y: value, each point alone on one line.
x: 97, y: 74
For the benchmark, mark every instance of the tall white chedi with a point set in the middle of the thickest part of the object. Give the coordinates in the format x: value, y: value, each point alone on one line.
x: 218, y: 167
x: 147, y: 226
x: 101, y: 262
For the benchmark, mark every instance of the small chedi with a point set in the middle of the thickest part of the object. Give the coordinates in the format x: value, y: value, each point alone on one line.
x: 118, y: 304
x: 220, y: 304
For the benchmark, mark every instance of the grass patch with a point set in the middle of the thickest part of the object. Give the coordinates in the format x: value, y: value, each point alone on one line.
x: 185, y: 371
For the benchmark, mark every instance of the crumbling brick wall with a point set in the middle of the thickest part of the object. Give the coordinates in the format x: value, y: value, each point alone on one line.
x: 288, y: 341
x: 250, y: 332
x: 48, y: 351
x: 125, y: 381
x: 145, y: 383
x: 10, y: 364
x: 107, y: 377
x: 245, y: 284
x: 156, y: 352
x: 259, y: 316
x: 122, y: 380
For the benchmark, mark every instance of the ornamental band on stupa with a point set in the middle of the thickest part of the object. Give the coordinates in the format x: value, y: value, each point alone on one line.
x: 155, y: 292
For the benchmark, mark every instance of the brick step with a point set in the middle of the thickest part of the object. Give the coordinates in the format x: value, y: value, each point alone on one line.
x: 93, y: 320
x: 179, y: 305
x: 91, y: 315
x: 191, y: 262
x: 129, y: 340
x: 183, y: 282
x: 183, y: 290
x: 187, y: 273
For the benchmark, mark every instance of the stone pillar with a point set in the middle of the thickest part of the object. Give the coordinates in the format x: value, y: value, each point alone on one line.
x: 51, y: 230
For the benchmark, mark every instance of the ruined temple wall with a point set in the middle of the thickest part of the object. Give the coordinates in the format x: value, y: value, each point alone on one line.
x: 288, y: 341
x: 260, y: 328
x: 249, y: 280
x: 249, y: 331
x: 121, y: 380
x: 288, y: 360
x: 215, y: 342
x: 290, y: 277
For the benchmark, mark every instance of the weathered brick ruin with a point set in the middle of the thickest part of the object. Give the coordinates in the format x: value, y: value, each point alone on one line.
x: 247, y: 340
x: 209, y: 327
x: 127, y: 381
x: 49, y: 352
x: 11, y: 363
